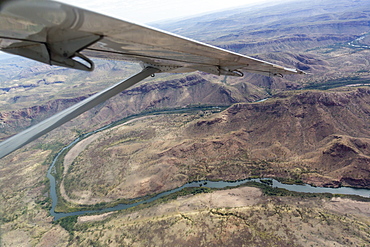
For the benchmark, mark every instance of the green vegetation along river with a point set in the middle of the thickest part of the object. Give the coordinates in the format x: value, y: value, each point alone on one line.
x: 197, y: 184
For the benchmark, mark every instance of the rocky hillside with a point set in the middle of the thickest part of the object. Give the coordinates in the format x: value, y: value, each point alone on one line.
x: 190, y: 90
x: 322, y: 138
x: 318, y: 133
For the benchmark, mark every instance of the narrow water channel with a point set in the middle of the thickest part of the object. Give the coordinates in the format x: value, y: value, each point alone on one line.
x: 209, y: 184
x: 216, y: 184
x: 357, y: 42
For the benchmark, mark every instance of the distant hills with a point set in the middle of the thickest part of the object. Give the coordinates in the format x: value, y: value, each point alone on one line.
x: 294, y: 22
x: 310, y: 35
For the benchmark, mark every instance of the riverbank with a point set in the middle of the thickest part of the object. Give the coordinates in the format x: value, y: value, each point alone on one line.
x: 270, y: 187
x: 148, y: 196
x: 63, y: 160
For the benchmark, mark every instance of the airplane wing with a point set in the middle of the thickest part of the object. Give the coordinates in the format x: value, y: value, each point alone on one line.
x: 63, y: 35
x: 60, y: 34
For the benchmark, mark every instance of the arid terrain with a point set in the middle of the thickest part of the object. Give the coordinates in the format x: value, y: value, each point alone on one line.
x: 252, y: 220
x: 320, y: 138
x: 312, y: 129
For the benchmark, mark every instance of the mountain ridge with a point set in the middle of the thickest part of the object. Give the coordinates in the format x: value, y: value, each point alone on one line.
x: 193, y: 89
x: 293, y: 135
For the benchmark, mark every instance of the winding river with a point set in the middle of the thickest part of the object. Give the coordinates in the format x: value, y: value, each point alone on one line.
x: 357, y: 42
x: 209, y: 184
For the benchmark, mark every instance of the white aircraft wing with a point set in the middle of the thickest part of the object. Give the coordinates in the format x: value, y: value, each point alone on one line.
x: 60, y: 34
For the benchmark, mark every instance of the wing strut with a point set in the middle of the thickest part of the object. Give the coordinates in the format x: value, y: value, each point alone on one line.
x: 34, y: 132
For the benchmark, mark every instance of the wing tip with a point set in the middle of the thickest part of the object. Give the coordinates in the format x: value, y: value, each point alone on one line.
x: 295, y: 71
x: 301, y: 72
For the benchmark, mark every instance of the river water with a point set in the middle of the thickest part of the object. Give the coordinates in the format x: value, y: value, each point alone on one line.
x: 214, y: 184
x: 357, y: 42
x: 209, y: 184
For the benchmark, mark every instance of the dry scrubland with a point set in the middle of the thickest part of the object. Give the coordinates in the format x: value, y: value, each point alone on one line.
x: 239, y: 216
x: 252, y: 220
x: 320, y: 138
x: 208, y: 220
x: 236, y: 217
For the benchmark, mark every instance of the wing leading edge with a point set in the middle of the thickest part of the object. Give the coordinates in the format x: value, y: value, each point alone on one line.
x: 60, y: 34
